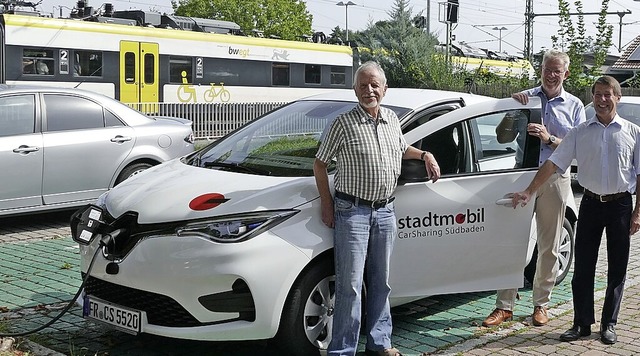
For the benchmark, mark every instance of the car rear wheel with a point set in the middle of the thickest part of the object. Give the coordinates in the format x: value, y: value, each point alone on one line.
x: 131, y: 170
x: 305, y: 326
x: 565, y: 255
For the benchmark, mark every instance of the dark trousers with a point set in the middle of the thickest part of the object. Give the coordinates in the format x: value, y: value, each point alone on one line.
x: 594, y: 217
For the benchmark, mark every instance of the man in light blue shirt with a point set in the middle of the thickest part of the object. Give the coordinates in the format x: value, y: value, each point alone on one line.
x: 607, y: 149
x: 561, y: 111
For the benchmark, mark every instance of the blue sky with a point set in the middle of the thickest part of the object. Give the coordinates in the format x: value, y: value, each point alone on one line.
x: 477, y: 18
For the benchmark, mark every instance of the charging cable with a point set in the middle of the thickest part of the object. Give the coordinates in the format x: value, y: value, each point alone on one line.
x: 73, y: 300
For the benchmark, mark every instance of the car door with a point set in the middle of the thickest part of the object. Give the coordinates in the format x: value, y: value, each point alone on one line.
x: 460, y: 234
x: 85, y: 146
x: 20, y: 153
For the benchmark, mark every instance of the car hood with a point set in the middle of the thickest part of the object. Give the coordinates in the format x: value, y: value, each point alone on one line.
x: 175, y: 191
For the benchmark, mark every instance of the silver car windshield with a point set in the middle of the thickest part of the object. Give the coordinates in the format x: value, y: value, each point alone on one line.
x: 282, y: 143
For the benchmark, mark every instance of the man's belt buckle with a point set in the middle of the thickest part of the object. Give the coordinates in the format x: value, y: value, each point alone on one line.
x: 379, y: 203
x: 601, y: 198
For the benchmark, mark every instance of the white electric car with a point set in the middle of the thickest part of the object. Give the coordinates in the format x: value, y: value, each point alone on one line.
x: 228, y: 244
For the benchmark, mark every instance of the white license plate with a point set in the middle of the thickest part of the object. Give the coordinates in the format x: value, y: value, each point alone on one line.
x: 125, y: 319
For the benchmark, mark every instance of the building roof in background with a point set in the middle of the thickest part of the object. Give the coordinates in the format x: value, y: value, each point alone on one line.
x: 630, y: 58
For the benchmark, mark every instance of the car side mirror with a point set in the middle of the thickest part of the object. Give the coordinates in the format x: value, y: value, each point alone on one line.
x: 412, y: 170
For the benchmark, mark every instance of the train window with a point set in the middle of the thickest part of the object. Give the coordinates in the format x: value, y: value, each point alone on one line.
x: 86, y: 113
x: 312, y: 74
x: 87, y: 64
x: 37, y: 61
x: 149, y: 68
x: 280, y: 74
x: 338, y: 75
x: 129, y: 67
x: 176, y: 66
x: 17, y: 115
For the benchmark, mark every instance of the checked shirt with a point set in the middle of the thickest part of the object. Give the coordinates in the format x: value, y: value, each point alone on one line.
x: 369, y: 154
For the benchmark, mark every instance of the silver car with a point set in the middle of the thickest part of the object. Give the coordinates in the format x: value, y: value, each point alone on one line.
x: 62, y: 148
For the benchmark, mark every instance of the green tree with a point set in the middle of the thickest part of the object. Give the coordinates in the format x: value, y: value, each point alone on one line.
x: 403, y: 50
x: 287, y: 19
x: 572, y: 40
x: 339, y: 35
x: 603, y: 41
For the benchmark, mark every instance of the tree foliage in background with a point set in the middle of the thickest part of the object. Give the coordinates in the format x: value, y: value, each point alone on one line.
x: 409, y: 58
x: 287, y: 19
x: 603, y: 41
x: 572, y: 40
x: 339, y: 36
x: 403, y: 50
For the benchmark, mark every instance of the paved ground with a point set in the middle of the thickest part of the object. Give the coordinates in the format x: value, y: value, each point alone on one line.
x: 39, y: 275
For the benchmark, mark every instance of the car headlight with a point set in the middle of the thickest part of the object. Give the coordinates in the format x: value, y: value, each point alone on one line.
x: 235, y: 228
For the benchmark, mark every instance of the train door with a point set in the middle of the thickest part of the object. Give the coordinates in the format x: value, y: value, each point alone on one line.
x: 139, y: 72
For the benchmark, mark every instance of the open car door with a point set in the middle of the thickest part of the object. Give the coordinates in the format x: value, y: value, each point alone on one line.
x: 463, y: 226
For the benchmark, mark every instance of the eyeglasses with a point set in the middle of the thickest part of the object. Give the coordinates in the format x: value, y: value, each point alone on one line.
x: 557, y: 73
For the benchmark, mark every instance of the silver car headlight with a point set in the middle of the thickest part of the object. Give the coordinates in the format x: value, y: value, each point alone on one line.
x: 236, y: 227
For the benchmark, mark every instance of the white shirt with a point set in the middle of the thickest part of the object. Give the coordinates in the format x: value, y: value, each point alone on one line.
x: 608, y: 156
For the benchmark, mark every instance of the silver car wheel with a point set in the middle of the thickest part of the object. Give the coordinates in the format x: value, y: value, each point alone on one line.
x: 565, y: 252
x: 318, y: 313
x: 565, y: 255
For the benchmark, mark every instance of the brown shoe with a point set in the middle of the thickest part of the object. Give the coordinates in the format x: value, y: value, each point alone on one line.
x: 539, y: 316
x: 497, y: 317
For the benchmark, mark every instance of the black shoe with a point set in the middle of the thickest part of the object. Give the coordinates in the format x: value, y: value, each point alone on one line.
x: 575, y: 333
x: 608, y: 334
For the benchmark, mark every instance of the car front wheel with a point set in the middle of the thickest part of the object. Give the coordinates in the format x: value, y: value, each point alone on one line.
x: 305, y: 326
x: 565, y: 255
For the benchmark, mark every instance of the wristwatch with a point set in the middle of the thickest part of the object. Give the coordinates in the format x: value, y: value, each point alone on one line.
x: 422, y: 155
x: 552, y: 139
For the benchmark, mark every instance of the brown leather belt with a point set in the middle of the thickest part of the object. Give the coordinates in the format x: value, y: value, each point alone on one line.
x: 357, y: 201
x: 607, y: 197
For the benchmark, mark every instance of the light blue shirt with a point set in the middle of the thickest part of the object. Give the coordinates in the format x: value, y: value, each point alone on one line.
x: 559, y: 115
x: 608, y: 156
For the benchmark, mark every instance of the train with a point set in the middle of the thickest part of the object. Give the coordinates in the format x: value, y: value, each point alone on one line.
x: 140, y: 56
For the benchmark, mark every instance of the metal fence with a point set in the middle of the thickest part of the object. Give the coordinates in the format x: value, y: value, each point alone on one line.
x: 210, y: 120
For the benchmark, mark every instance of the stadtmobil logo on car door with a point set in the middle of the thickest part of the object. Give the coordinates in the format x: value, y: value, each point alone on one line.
x: 437, y: 224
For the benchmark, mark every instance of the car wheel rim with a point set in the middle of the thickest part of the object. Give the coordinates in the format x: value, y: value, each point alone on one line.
x: 564, y: 251
x: 318, y: 313
x: 136, y: 172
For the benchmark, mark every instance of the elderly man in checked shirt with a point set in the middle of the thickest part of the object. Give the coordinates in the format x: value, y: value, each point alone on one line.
x: 369, y: 147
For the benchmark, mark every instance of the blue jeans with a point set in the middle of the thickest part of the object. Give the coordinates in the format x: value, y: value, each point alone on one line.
x: 363, y: 240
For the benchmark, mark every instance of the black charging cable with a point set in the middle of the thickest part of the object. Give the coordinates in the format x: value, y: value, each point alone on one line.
x: 103, y: 242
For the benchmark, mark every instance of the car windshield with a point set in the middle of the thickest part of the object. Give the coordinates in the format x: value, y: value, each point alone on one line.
x: 629, y: 111
x: 282, y: 143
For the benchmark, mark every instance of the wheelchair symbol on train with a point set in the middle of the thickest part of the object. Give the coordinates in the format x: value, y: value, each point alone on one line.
x: 186, y: 91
